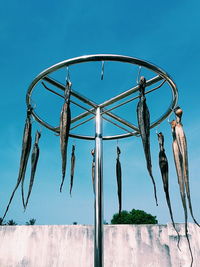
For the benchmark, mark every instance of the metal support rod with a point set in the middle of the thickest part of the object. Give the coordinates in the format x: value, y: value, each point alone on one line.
x: 161, y: 75
x: 73, y: 92
x: 98, y: 205
x: 106, y: 103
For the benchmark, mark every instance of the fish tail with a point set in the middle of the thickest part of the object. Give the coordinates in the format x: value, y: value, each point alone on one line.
x: 71, y: 185
x: 189, y: 245
x: 186, y: 227
x: 172, y: 218
x: 119, y: 182
x: 154, y: 186
x: 27, y: 199
x: 23, y: 198
x: 191, y: 211
x: 63, y: 178
x: 11, y: 198
x: 190, y: 204
x: 93, y: 176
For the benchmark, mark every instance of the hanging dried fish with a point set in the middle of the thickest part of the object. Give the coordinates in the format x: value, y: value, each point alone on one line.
x: 65, y: 121
x: 178, y: 163
x: 182, y: 144
x: 119, y: 179
x: 93, y: 169
x: 26, y: 146
x: 34, y: 161
x: 163, y: 163
x: 72, y: 168
x: 143, y: 117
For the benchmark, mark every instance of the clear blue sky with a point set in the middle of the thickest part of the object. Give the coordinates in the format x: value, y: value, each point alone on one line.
x: 35, y: 35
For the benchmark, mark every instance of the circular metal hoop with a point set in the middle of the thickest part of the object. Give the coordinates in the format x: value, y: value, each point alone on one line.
x: 162, y: 75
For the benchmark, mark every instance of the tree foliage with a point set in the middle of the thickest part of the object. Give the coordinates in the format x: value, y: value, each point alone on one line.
x: 31, y: 222
x: 133, y: 217
x: 11, y: 222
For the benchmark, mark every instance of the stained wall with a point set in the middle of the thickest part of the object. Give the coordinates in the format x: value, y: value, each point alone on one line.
x: 72, y: 246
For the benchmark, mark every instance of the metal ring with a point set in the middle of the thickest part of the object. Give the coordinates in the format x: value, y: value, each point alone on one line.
x: 105, y: 57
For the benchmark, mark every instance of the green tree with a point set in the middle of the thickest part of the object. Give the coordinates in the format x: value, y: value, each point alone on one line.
x: 133, y: 217
x: 11, y: 222
x: 31, y: 222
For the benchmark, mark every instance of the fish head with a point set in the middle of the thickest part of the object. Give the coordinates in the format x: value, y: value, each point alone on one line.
x: 142, y: 80
x: 142, y: 85
x: 178, y: 111
x: 68, y: 84
x: 29, y: 110
x: 92, y: 152
x: 118, y: 150
x: 173, y: 124
x: 37, y: 137
x: 160, y: 138
x: 39, y: 134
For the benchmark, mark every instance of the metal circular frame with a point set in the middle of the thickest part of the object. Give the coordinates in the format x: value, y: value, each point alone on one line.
x: 105, y: 57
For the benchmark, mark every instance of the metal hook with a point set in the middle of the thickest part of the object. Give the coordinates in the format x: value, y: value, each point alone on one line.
x: 68, y: 75
x: 41, y: 127
x: 33, y: 119
x: 102, y: 70
x: 168, y: 120
x: 33, y: 104
x: 139, y: 71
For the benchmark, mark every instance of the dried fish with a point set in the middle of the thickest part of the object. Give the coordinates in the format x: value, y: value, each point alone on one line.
x: 34, y: 161
x: 26, y: 147
x: 182, y: 144
x: 72, y: 168
x: 119, y: 179
x: 93, y: 169
x: 178, y: 163
x: 65, y: 121
x: 143, y: 117
x: 163, y: 163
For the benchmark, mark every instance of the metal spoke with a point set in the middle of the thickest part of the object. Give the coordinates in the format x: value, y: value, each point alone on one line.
x: 125, y: 94
x: 81, y: 123
x: 90, y: 111
x: 84, y: 99
x: 133, y: 98
x: 161, y: 75
x: 73, y: 92
x: 119, y: 126
x: 129, y: 92
x: 119, y: 119
x: 72, y: 101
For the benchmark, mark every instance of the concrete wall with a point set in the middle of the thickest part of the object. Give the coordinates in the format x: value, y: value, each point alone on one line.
x: 72, y: 246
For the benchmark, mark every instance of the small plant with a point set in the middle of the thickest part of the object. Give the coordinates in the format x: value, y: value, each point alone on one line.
x: 31, y: 222
x: 11, y: 222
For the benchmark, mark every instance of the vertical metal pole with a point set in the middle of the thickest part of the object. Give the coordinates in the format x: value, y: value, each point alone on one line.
x: 98, y: 231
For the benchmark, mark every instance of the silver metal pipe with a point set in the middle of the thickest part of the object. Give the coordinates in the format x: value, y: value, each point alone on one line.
x: 115, y: 99
x: 130, y: 91
x: 161, y: 74
x: 91, y: 103
x: 119, y: 126
x: 73, y: 92
x: 133, y: 98
x: 98, y: 228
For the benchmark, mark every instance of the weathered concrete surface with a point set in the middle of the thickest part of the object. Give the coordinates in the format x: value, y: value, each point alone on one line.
x: 72, y: 246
